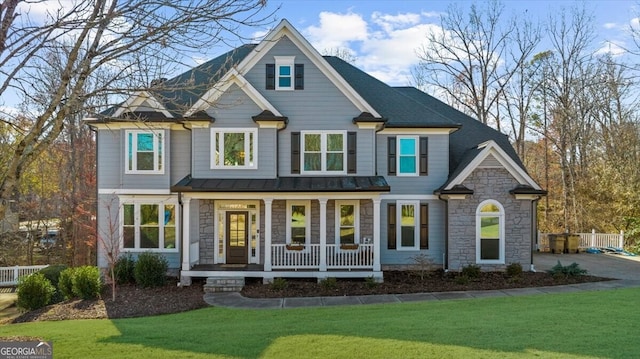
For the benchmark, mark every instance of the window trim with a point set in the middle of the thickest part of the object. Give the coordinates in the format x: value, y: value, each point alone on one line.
x: 282, y: 61
x: 416, y: 225
x: 416, y: 155
x: 250, y: 133
x: 356, y: 220
x: 137, y: 203
x: 323, y: 152
x: 307, y: 211
x: 501, y: 236
x: 159, y: 149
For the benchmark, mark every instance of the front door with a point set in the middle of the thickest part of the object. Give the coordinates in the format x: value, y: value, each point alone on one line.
x: 237, y: 237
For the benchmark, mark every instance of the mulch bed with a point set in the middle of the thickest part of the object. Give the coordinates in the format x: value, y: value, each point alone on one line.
x: 132, y: 301
x: 397, y: 282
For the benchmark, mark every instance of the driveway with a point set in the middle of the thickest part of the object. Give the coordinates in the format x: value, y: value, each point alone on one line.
x: 601, y: 265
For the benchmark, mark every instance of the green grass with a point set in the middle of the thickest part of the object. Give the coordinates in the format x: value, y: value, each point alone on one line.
x: 577, y: 325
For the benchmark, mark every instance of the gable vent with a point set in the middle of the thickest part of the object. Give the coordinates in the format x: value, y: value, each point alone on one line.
x: 490, y: 162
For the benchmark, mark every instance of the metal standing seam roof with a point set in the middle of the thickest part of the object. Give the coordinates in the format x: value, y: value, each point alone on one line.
x: 285, y: 184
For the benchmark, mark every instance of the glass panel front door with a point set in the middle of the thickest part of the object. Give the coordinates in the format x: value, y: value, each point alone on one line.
x: 237, y: 237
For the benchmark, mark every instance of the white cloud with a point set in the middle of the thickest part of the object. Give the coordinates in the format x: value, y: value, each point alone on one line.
x: 337, y: 30
x: 610, y: 25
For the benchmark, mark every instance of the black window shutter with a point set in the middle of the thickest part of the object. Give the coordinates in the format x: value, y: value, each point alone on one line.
x: 295, y: 152
x: 391, y: 156
x: 299, y: 76
x: 351, y: 152
x: 424, y: 156
x: 424, y: 226
x: 271, y: 77
x: 391, y: 227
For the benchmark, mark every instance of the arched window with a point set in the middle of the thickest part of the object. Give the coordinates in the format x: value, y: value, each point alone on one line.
x: 490, y: 233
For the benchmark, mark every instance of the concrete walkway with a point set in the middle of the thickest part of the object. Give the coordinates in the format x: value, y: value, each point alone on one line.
x: 626, y: 270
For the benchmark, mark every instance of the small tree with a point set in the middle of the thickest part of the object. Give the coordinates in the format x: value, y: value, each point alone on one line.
x: 109, y: 239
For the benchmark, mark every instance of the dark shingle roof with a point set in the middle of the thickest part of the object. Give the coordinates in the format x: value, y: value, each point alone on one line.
x: 463, y: 144
x: 181, y: 92
x: 397, y: 109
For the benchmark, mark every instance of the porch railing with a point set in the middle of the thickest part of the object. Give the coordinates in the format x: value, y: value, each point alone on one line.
x: 9, y: 276
x: 587, y: 240
x: 356, y: 257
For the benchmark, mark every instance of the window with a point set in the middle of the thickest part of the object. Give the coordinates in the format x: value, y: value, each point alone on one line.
x: 347, y: 222
x: 284, y: 75
x: 323, y: 152
x: 407, y: 156
x: 408, y: 225
x: 144, y: 152
x: 234, y: 148
x: 149, y: 226
x: 298, y: 219
x: 490, y: 233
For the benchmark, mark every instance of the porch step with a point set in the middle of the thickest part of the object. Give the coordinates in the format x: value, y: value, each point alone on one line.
x: 223, y: 284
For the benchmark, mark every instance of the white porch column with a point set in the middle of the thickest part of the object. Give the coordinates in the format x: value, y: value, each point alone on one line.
x: 267, y: 233
x: 376, y: 234
x: 323, y: 234
x: 186, y: 238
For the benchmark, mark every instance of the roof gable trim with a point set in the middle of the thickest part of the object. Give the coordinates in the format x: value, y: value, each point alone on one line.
x: 492, y: 148
x: 136, y: 100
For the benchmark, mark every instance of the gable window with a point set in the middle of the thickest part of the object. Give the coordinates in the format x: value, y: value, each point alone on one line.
x: 407, y: 156
x: 298, y: 222
x: 347, y: 222
x: 149, y: 226
x: 408, y: 225
x: 234, y: 148
x: 324, y: 152
x: 284, y: 75
x: 490, y: 233
x: 144, y: 152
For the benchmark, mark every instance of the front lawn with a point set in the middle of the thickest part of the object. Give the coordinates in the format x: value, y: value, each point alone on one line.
x: 577, y: 325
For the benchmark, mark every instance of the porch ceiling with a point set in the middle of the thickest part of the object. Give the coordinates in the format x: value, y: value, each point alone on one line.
x: 285, y: 184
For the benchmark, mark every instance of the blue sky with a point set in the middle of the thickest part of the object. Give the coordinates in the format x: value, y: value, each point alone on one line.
x: 384, y: 35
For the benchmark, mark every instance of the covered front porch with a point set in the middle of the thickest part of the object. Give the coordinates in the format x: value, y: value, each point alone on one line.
x: 306, y: 234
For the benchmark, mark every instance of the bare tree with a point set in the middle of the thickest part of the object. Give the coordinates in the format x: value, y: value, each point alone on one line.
x: 138, y: 40
x: 468, y: 58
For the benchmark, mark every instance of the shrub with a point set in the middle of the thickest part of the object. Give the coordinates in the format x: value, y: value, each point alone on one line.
x: 471, y: 271
x: 279, y: 284
x: 34, y: 291
x: 371, y: 282
x: 52, y: 273
x: 150, y: 270
x: 423, y: 264
x: 86, y: 282
x: 462, y: 279
x: 123, y: 269
x: 65, y: 283
x: 329, y: 283
x: 571, y: 270
x: 514, y: 270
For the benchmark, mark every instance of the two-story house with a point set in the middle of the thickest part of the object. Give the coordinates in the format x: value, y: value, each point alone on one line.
x: 274, y: 161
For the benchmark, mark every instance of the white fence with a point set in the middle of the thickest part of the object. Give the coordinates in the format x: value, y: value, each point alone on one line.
x: 9, y: 275
x: 587, y: 240
x: 308, y: 257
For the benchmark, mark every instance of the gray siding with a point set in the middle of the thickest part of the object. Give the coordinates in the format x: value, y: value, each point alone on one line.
x: 390, y: 258
x: 180, y: 155
x: 320, y: 106
x: 109, y: 159
x: 234, y: 110
x: 438, y: 162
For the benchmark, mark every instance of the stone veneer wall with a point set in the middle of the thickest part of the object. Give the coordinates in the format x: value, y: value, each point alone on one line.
x: 488, y: 184
x: 206, y: 231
